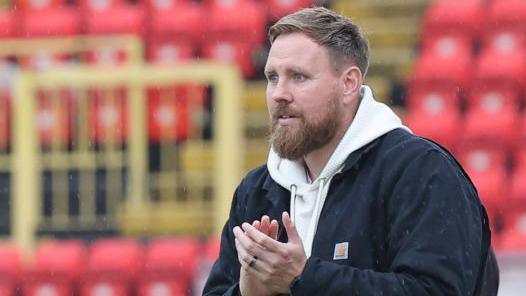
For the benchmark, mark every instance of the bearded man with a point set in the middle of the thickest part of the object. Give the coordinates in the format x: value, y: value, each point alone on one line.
x: 350, y: 202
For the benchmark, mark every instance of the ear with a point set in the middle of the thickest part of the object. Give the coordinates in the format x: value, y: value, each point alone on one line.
x: 352, y: 81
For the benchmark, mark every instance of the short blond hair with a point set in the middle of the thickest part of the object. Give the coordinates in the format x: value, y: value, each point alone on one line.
x: 339, y: 34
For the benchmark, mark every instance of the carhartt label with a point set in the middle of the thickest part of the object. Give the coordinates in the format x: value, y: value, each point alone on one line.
x: 341, y: 251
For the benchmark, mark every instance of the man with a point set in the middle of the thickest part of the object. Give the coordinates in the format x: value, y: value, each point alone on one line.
x: 374, y: 210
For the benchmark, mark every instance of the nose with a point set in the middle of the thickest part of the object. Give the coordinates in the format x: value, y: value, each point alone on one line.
x: 280, y: 92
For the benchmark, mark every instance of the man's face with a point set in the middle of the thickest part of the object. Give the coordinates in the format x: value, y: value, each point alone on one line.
x: 303, y: 96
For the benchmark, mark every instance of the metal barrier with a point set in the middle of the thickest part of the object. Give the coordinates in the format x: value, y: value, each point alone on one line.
x: 124, y: 50
x: 84, y: 152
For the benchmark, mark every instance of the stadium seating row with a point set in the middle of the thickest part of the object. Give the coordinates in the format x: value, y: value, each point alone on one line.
x: 498, y: 25
x: 168, y: 115
x: 173, y: 30
x: 490, y: 123
x: 464, y: 56
x: 119, y: 267
x: 467, y: 92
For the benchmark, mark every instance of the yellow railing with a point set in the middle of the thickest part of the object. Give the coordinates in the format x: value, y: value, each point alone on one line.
x: 130, y: 45
x: 29, y: 161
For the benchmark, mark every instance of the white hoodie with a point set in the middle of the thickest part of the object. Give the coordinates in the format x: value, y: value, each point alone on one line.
x: 373, y: 119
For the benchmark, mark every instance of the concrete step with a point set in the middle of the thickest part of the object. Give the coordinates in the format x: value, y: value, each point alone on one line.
x: 391, y: 32
x: 380, y: 8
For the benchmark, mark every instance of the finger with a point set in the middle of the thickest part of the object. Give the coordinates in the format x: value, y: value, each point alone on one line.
x: 261, y: 239
x: 265, y: 224
x: 273, y: 229
x: 292, y: 233
x: 257, y: 225
x: 239, y: 258
x: 245, y: 258
x: 246, y: 243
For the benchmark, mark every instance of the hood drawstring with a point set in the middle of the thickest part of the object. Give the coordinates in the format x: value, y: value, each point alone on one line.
x: 293, y: 189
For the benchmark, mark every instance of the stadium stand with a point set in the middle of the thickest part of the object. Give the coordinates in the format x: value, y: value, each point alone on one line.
x: 485, y: 44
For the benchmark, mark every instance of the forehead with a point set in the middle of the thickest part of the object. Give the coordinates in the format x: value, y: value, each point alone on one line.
x: 296, y: 50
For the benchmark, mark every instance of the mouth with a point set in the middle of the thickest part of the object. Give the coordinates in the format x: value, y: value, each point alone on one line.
x: 284, y: 120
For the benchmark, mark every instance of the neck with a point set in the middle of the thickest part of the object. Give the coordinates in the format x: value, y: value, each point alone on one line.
x: 317, y: 159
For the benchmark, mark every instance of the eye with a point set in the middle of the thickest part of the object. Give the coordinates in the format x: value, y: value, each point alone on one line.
x: 298, y: 77
x: 273, y: 78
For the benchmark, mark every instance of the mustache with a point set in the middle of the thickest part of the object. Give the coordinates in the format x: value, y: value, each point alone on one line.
x: 285, y: 110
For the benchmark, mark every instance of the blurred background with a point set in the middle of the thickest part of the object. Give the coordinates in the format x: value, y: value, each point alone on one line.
x: 125, y: 127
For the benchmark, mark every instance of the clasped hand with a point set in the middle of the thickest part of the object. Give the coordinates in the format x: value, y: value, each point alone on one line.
x: 267, y: 265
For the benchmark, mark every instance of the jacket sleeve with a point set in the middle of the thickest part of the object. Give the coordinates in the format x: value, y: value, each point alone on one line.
x: 224, y: 276
x: 434, y: 236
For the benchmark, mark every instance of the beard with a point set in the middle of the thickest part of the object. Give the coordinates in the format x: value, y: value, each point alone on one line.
x: 295, y: 141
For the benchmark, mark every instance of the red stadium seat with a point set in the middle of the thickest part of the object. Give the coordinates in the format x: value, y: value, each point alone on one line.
x: 231, y: 51
x: 460, y: 19
x: 181, y: 21
x: 513, y: 240
x: 430, y: 73
x: 112, y: 17
x: 54, y: 117
x: 7, y: 23
x: 165, y: 4
x: 479, y: 159
x: 113, y: 267
x: 10, y: 268
x: 520, y: 159
x: 108, y: 117
x: 492, y: 124
x: 492, y: 189
x: 522, y: 137
x: 280, y: 8
x: 169, y: 266
x: 56, y: 21
x: 56, y: 270
x: 27, y: 5
x: 517, y: 202
x: 448, y: 45
x: 486, y: 165
x: 236, y: 20
x: 432, y: 101
x: 168, y: 114
x: 515, y: 207
x: 505, y: 25
x: 441, y: 127
x: 500, y: 72
x: 212, y: 248
x: 175, y: 31
x: 169, y: 50
x: 211, y: 253
x: 493, y: 96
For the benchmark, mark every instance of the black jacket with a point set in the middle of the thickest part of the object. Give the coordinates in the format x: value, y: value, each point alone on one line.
x: 411, y: 216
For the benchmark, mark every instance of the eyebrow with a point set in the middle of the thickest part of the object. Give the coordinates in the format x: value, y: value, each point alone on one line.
x: 269, y: 71
x: 294, y: 69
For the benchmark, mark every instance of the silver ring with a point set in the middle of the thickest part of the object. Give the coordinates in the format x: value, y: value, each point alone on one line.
x: 252, y: 262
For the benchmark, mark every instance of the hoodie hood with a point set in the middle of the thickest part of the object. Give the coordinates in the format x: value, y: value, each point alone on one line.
x: 372, y: 120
